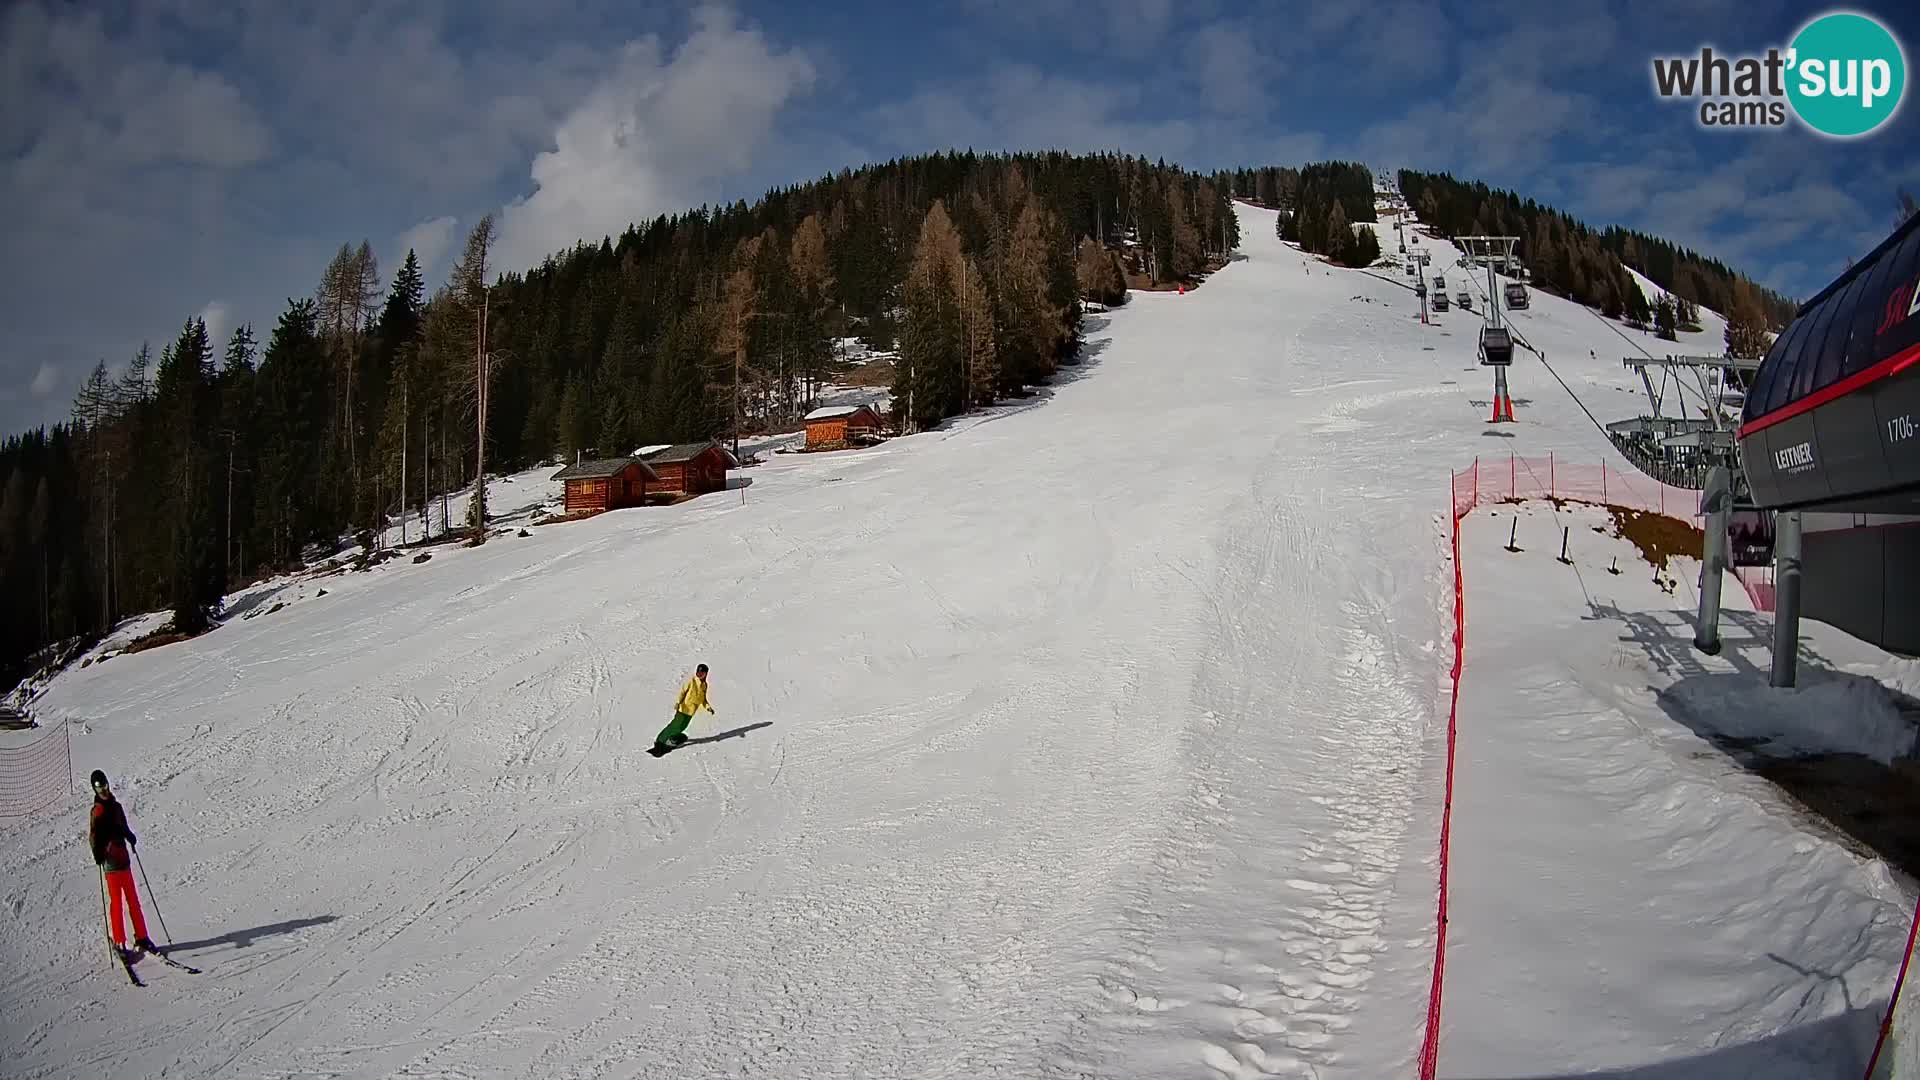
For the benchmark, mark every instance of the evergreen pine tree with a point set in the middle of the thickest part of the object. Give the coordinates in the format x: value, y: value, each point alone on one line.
x: 1665, y: 319
x: 183, y: 393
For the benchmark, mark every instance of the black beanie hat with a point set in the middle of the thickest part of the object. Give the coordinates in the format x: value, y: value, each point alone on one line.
x: 98, y: 778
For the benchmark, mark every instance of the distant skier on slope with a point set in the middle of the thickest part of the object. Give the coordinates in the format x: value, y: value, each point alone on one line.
x: 693, y: 698
x: 112, y: 841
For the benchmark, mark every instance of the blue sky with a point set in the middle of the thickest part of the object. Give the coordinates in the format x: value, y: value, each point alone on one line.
x: 168, y: 158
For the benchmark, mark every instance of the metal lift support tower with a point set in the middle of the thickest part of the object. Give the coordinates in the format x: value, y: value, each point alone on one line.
x: 1496, y: 341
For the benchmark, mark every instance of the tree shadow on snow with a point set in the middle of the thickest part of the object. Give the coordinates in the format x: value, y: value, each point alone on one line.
x: 736, y: 733
x: 1869, y: 807
x: 1836, y: 1048
x: 241, y: 939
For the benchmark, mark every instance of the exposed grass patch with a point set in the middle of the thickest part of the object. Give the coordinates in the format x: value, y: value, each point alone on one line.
x: 1657, y: 536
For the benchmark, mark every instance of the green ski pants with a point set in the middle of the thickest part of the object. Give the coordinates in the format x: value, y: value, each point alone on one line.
x: 675, y: 731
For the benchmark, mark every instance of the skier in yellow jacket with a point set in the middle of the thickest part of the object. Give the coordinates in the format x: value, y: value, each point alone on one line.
x: 693, y: 698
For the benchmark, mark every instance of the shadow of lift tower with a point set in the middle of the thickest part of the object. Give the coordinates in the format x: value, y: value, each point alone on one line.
x: 1496, y: 341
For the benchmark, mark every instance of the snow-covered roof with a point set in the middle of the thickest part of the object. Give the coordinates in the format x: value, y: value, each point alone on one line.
x: 654, y: 449
x: 596, y: 468
x: 829, y: 412
x: 676, y: 452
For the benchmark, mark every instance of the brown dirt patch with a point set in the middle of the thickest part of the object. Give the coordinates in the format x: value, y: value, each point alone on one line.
x: 878, y: 372
x: 1658, y: 536
x: 1874, y: 808
x: 1140, y: 283
x: 155, y: 640
x: 555, y: 519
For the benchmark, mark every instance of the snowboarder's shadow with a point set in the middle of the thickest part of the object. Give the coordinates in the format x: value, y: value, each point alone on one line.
x: 736, y: 733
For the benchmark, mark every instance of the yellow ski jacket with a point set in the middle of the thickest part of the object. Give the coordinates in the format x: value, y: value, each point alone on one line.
x: 693, y: 697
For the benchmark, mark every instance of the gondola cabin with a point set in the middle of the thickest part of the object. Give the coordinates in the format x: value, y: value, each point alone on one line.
x: 689, y: 468
x: 1496, y: 347
x: 838, y: 425
x: 605, y: 484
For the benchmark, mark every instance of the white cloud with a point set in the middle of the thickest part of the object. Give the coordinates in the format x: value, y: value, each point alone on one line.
x: 648, y: 136
x: 428, y: 241
x: 1231, y: 72
x: 80, y: 99
x: 45, y: 380
x: 218, y: 323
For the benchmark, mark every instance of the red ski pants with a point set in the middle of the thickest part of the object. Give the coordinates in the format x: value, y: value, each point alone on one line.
x: 120, y: 893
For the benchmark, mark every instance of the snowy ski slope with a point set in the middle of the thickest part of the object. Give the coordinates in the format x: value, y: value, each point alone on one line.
x: 1099, y: 735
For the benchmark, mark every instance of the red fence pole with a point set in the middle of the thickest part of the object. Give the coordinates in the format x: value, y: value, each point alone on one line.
x: 1603, y: 481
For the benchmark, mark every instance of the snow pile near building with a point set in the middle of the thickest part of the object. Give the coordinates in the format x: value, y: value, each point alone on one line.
x: 1828, y: 712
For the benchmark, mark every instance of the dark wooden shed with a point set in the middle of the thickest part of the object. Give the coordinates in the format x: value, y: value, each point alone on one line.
x: 606, y: 483
x: 691, y: 468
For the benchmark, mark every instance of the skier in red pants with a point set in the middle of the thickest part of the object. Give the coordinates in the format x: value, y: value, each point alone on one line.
x: 112, y: 844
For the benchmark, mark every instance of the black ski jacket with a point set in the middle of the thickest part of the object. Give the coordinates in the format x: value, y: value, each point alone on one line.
x: 107, y: 832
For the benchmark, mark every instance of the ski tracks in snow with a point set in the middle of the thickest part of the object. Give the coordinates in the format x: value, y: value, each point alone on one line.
x: 1250, y: 947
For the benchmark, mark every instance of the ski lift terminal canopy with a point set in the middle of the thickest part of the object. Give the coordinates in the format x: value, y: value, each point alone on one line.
x: 1833, y: 418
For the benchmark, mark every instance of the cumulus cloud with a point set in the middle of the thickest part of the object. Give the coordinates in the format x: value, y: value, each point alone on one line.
x: 45, y: 380
x: 428, y: 241
x: 652, y: 132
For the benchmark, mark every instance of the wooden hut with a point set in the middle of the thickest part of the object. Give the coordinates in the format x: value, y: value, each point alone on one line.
x: 606, y: 483
x: 836, y: 425
x: 689, y: 468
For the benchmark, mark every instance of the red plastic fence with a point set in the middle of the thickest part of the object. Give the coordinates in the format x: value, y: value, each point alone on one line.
x: 1492, y: 480
x: 37, y: 775
x: 1886, y: 1022
x: 1430, y: 1048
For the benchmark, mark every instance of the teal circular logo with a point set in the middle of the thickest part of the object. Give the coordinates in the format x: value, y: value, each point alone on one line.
x: 1846, y: 74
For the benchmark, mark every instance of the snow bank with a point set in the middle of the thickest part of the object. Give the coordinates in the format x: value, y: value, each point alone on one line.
x: 1828, y: 713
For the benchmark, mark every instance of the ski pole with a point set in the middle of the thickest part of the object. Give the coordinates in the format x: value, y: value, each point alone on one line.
x: 151, y: 899
x: 105, y: 926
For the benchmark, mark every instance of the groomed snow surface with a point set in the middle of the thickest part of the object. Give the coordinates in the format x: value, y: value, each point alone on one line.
x: 1100, y: 734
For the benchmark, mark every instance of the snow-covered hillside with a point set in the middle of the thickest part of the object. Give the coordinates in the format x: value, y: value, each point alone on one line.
x: 1099, y: 734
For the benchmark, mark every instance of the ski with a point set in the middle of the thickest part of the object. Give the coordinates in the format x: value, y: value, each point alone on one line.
x: 171, y: 962
x: 127, y: 964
